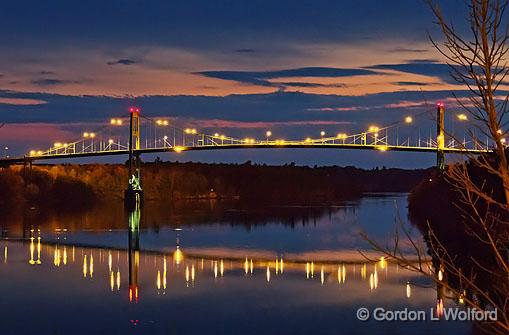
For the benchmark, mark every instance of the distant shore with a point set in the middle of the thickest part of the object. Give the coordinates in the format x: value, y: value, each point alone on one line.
x: 71, y: 186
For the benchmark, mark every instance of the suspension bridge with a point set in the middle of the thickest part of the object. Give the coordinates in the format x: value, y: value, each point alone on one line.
x: 107, y: 142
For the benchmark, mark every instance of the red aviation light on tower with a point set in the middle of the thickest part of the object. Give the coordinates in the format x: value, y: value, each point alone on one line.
x: 440, y: 104
x: 133, y: 109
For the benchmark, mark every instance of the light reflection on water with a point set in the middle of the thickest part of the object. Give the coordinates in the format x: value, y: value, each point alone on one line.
x: 188, y: 281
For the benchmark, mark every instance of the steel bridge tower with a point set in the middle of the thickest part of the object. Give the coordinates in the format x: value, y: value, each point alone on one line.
x: 440, y: 137
x: 134, y: 194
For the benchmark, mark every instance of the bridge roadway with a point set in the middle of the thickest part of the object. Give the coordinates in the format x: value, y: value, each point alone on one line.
x: 287, y: 145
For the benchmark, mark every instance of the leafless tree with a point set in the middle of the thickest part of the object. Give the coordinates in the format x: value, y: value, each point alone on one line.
x: 478, y: 61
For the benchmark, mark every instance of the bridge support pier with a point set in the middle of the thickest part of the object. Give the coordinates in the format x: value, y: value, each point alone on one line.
x: 133, y: 195
x: 440, y: 137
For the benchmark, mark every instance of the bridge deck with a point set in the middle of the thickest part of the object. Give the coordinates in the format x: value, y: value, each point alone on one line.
x: 288, y: 145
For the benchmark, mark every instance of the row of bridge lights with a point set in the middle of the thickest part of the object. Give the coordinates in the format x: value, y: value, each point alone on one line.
x: 268, y: 134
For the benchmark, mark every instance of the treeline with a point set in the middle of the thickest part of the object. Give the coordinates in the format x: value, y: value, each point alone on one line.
x: 163, y: 181
x: 19, y: 188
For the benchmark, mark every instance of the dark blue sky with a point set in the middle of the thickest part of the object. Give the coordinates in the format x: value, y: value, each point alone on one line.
x: 239, y: 67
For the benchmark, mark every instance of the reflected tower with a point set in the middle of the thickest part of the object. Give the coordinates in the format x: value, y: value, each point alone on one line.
x: 134, y: 250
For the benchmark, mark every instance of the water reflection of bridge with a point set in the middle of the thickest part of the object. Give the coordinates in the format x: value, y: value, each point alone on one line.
x: 154, y: 272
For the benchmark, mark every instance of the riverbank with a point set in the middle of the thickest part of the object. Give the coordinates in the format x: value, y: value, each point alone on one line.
x: 69, y: 185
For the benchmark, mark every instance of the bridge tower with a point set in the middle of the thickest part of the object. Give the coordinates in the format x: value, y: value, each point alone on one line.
x: 440, y: 137
x: 134, y: 194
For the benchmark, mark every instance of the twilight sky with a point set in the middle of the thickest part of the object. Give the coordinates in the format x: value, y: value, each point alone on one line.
x: 238, y: 67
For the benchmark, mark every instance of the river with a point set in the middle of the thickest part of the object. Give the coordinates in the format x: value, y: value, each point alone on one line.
x: 209, y: 267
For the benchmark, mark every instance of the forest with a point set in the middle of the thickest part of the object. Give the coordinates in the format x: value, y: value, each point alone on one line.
x: 72, y: 186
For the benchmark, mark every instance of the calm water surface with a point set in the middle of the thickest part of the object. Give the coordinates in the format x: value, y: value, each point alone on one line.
x: 207, y: 267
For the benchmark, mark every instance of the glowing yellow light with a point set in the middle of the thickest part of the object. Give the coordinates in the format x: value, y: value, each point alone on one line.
x: 92, y: 135
x: 178, y: 256
x: 246, y: 266
x: 503, y: 140
x: 374, y: 129
x: 110, y: 141
x: 268, y: 274
x: 222, y: 137
x: 215, y: 269
x: 113, y: 121
x: 409, y: 119
x: 341, y: 136
x: 322, y: 276
x: 110, y: 260
x: 461, y: 298
x: 158, y: 280
x: 91, y: 267
x: 187, y: 130
x: 363, y: 271
x: 32, y: 152
x: 440, y: 275
x: 307, y: 270
x: 38, y: 251
x: 308, y: 140
x: 281, y: 265
x: 39, y: 152
x: 268, y: 133
x: 178, y: 149
x: 192, y: 273
x: 112, y: 281
x: 57, y: 144
x: 499, y: 131
x: 462, y: 117
x: 221, y: 268
x: 382, y: 148
x: 408, y: 290
x: 32, y: 248
x: 85, y: 134
x: 322, y: 133
x: 85, y: 266
x: 216, y: 135
x: 118, y: 280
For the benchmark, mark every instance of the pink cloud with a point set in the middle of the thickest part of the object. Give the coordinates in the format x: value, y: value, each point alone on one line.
x: 33, y: 132
x: 21, y: 101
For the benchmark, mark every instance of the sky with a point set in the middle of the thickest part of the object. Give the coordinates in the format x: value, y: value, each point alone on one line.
x: 235, y: 67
